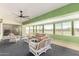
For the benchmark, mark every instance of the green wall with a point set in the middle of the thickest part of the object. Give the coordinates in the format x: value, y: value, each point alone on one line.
x: 58, y: 12
x: 67, y: 39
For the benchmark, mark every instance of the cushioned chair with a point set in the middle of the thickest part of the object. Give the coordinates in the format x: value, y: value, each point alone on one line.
x: 39, y: 44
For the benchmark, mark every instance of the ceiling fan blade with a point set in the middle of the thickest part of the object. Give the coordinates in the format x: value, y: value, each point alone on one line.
x: 25, y: 16
x: 28, y: 18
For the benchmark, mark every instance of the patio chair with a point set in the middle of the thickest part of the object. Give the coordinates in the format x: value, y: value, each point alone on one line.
x: 38, y: 47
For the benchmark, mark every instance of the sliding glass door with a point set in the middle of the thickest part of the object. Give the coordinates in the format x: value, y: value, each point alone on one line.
x: 67, y: 29
x: 58, y: 29
x: 76, y: 27
x: 48, y: 28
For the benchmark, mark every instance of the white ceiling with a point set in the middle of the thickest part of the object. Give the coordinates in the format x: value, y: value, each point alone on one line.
x: 9, y: 11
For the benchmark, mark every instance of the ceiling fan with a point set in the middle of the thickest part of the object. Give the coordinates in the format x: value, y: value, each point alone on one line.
x: 22, y: 16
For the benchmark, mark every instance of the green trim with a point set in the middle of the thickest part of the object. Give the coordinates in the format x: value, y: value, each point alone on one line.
x: 53, y: 29
x: 42, y: 28
x: 36, y: 28
x: 33, y: 30
x: 58, y: 12
x: 72, y: 27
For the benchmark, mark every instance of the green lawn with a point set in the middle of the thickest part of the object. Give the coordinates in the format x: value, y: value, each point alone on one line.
x: 68, y: 39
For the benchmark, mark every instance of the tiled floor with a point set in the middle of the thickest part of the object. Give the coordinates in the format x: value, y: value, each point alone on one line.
x: 21, y: 49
